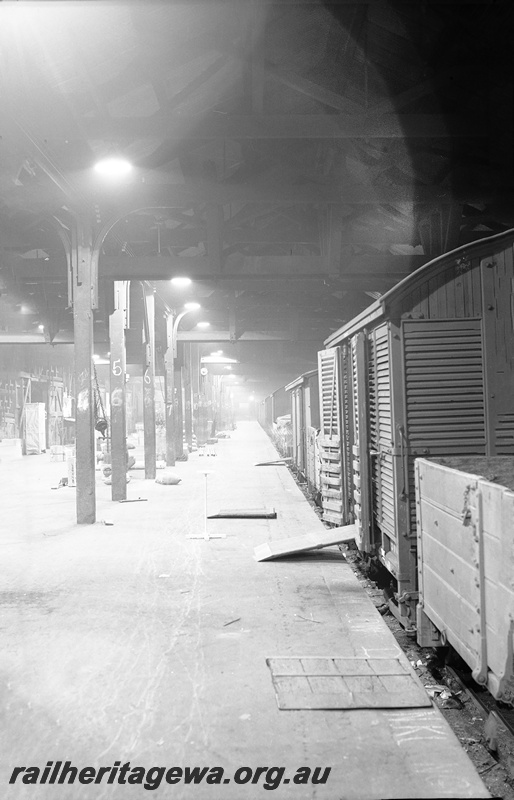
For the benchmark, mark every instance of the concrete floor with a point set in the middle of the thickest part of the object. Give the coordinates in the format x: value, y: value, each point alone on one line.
x: 134, y: 643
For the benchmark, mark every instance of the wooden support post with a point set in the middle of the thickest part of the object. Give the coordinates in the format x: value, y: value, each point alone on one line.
x: 195, y: 384
x: 202, y: 432
x: 149, y: 384
x: 117, y: 325
x: 84, y: 290
x: 188, y: 395
x: 179, y: 411
x: 169, y: 382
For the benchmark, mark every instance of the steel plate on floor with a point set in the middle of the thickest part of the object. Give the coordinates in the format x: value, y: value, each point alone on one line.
x: 345, y: 683
x: 301, y: 544
x: 245, y: 513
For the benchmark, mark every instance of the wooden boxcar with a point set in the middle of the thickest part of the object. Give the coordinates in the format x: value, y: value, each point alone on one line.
x: 465, y: 520
x: 277, y: 406
x: 304, y: 393
x: 428, y: 369
x: 273, y: 406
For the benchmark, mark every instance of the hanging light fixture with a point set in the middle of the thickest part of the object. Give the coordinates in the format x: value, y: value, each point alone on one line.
x: 181, y: 282
x: 113, y: 166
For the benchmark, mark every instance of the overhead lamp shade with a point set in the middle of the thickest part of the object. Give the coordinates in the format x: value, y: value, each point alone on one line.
x: 113, y: 167
x: 181, y: 282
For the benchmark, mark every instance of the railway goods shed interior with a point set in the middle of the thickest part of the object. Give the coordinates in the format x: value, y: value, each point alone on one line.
x: 256, y: 296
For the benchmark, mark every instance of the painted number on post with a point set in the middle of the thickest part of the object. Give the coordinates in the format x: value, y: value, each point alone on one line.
x: 116, y: 367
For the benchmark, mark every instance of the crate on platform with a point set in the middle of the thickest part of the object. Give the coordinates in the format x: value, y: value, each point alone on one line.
x: 57, y: 453
x: 72, y: 471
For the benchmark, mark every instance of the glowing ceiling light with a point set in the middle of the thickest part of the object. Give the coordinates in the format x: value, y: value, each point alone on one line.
x: 113, y: 167
x: 41, y: 328
x: 204, y: 325
x: 192, y: 306
x: 181, y: 282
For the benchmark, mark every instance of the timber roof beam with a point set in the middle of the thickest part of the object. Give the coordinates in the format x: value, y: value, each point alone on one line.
x: 283, y: 126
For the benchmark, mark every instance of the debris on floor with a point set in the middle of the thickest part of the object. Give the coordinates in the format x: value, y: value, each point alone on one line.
x: 168, y: 479
x: 135, y: 500
x: 63, y: 482
x: 307, y: 619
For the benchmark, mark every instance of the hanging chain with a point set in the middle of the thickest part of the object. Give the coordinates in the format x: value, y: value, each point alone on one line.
x: 101, y: 424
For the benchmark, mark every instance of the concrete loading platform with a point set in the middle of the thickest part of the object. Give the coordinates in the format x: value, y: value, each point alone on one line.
x: 133, y: 643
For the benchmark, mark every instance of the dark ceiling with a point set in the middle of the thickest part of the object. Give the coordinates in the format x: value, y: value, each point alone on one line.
x: 295, y: 158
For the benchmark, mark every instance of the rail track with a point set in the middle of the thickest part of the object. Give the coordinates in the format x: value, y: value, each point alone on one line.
x: 503, y: 713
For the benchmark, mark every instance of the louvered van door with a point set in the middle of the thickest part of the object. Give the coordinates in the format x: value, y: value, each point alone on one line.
x: 300, y: 427
x: 362, y: 489
x: 330, y: 435
x: 444, y: 386
x: 346, y: 434
x: 383, y: 467
x: 295, y: 427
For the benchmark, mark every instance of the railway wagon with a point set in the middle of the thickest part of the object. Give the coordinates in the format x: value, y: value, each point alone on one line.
x: 277, y: 406
x: 426, y: 370
x: 304, y: 393
x: 465, y: 527
x: 265, y: 411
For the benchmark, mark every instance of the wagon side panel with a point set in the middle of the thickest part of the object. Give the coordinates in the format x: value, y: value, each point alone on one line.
x: 498, y: 577
x: 450, y: 561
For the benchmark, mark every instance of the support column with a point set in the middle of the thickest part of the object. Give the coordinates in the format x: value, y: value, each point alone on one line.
x: 169, y: 382
x: 203, y: 430
x: 223, y: 416
x: 188, y: 395
x: 82, y: 294
x: 117, y: 325
x: 149, y: 383
x: 195, y: 386
x: 179, y: 411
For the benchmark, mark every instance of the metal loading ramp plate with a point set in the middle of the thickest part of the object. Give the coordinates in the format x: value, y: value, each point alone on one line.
x: 334, y: 683
x: 301, y: 544
x: 244, y: 513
